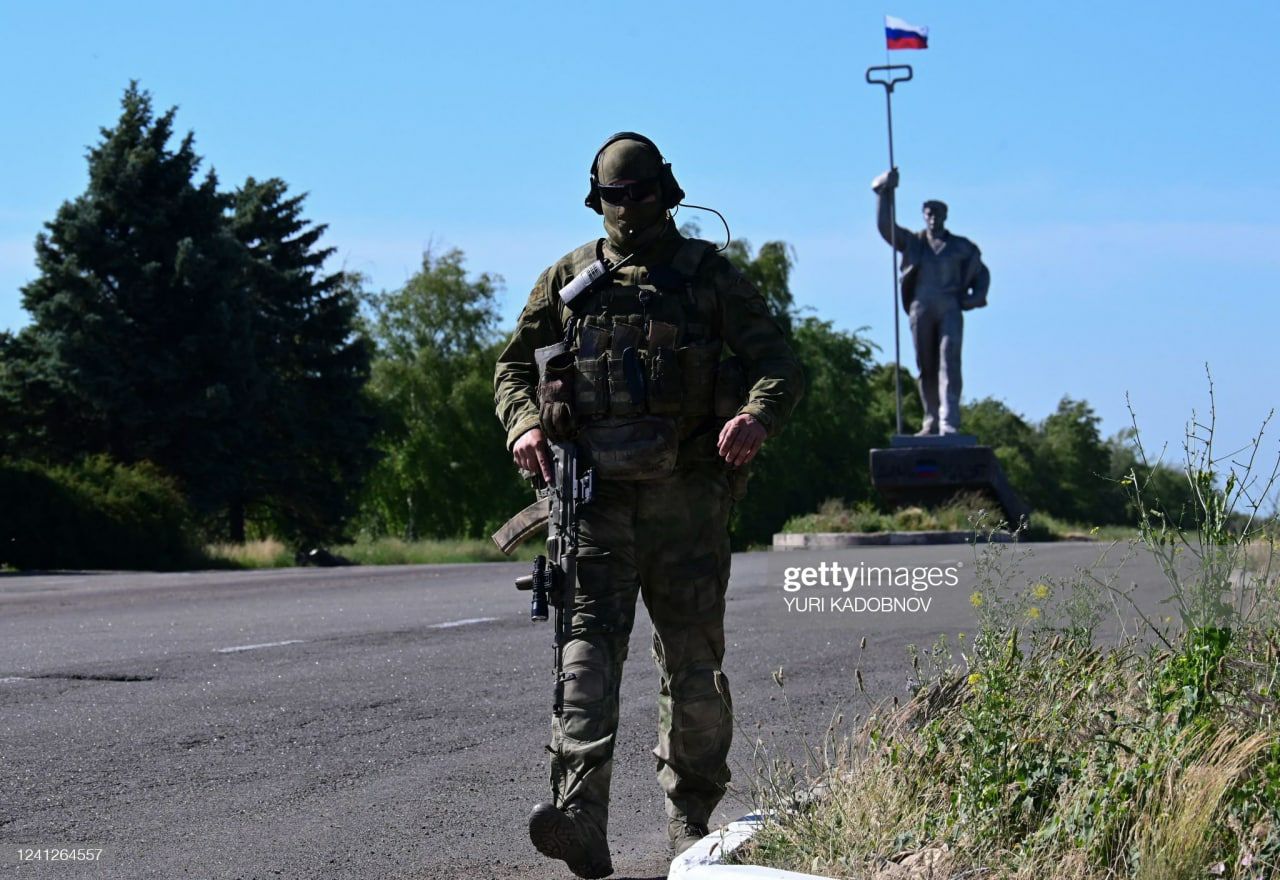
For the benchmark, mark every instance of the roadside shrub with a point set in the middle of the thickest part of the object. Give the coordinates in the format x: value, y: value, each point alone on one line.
x: 93, y: 514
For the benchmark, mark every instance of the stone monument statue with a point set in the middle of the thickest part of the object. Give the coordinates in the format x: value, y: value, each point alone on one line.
x: 942, y: 277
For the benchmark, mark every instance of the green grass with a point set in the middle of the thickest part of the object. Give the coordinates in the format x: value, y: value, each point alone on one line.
x: 271, y: 553
x: 836, y: 516
x: 394, y: 551
x: 1061, y: 530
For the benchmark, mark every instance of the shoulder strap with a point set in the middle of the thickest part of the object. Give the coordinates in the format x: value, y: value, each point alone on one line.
x: 690, y: 256
x: 584, y: 256
x: 588, y: 270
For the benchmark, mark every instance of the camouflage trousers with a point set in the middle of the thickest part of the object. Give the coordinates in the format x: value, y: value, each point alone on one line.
x: 668, y: 542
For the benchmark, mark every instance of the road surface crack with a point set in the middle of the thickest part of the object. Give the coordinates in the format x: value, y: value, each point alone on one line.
x: 89, y: 676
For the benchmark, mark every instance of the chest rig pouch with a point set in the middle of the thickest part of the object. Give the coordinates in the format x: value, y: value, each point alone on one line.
x: 638, y: 368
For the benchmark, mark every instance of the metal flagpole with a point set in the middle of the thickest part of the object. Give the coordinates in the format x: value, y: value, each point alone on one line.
x: 889, y: 80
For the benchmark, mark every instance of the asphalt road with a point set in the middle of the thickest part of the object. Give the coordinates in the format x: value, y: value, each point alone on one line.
x: 387, y: 722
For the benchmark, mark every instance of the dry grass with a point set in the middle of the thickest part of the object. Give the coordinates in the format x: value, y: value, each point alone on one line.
x: 266, y: 553
x: 1180, y: 832
x: 271, y: 553
x: 1260, y: 557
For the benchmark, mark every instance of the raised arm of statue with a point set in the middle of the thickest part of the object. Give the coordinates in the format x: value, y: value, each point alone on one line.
x: 883, y: 186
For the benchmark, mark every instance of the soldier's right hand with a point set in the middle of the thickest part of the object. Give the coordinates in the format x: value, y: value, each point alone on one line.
x: 887, y: 180
x: 532, y: 453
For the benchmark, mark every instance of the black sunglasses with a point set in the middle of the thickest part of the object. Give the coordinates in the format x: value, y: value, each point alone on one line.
x: 616, y: 193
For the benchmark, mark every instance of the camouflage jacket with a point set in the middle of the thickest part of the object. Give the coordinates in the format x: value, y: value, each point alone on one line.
x: 733, y: 310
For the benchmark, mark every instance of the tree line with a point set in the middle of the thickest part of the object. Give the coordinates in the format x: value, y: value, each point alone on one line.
x: 192, y: 372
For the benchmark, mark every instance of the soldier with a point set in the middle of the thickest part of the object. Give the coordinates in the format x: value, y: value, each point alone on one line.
x: 670, y: 456
x: 942, y: 276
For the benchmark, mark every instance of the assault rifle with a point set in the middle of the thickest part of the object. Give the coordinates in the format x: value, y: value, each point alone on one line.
x: 552, y: 581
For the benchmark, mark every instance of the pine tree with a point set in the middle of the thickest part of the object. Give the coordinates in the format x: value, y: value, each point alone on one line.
x: 197, y: 330
x: 10, y: 428
x: 313, y: 424
x: 140, y: 344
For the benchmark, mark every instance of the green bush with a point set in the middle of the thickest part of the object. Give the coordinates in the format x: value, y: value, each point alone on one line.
x: 93, y: 514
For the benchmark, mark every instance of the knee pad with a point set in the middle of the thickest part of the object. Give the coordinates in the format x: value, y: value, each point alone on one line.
x: 588, y: 690
x: 701, y: 714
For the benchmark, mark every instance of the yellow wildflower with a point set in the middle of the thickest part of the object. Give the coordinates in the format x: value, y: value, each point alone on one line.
x: 1033, y: 612
x: 976, y: 600
x: 975, y: 677
x: 1040, y: 591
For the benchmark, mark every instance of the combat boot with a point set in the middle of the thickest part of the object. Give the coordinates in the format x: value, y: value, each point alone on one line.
x: 560, y: 835
x: 683, y: 834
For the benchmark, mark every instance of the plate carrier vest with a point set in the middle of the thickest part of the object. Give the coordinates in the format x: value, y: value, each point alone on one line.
x: 638, y: 379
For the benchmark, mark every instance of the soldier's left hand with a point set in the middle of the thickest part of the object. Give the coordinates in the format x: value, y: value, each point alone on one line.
x: 740, y: 439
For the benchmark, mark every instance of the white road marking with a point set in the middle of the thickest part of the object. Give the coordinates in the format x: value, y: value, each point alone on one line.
x: 255, y: 647
x: 14, y: 678
x: 452, y: 623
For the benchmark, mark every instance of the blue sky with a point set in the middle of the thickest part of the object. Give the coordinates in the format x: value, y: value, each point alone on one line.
x: 1119, y: 173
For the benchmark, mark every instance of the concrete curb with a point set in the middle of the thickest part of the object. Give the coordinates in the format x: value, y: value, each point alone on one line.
x: 703, y: 860
x: 836, y: 540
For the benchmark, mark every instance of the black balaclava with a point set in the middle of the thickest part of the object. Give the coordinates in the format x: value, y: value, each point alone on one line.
x: 631, y: 225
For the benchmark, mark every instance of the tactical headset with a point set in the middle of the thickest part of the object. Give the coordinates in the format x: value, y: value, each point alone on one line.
x: 672, y: 194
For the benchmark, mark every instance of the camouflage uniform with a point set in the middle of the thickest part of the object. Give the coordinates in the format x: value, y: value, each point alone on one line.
x: 664, y: 539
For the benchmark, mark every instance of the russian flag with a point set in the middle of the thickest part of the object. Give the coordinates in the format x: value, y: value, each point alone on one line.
x: 900, y: 35
x: 927, y: 469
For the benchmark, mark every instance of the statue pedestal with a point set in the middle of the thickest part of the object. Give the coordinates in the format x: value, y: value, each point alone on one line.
x: 929, y: 470
x: 932, y: 441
